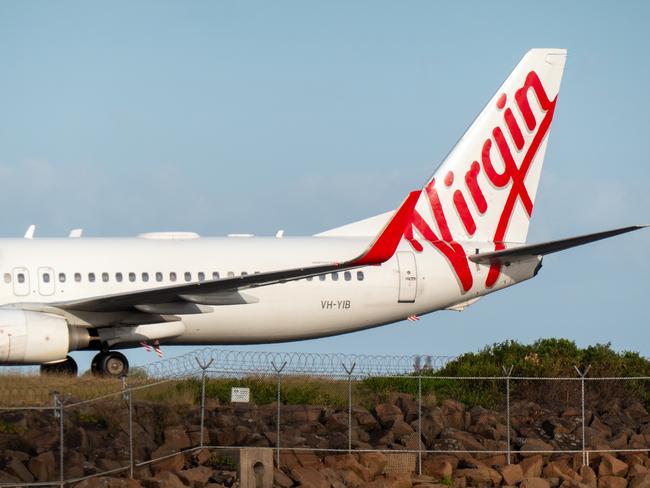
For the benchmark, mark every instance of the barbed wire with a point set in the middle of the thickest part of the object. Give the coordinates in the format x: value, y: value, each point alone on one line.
x: 265, y: 362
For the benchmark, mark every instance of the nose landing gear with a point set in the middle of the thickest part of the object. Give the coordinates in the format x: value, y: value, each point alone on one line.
x: 111, y: 364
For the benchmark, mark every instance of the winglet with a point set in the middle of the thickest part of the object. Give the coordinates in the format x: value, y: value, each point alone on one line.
x: 384, y: 246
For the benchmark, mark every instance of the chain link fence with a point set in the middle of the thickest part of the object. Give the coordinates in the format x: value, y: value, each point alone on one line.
x: 212, y: 401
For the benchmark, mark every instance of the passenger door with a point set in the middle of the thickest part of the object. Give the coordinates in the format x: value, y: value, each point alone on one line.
x: 408, y: 277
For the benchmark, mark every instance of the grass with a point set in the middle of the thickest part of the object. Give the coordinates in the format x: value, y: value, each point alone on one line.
x: 544, y: 358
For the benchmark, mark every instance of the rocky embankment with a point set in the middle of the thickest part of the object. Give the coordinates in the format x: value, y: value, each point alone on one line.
x: 96, y: 440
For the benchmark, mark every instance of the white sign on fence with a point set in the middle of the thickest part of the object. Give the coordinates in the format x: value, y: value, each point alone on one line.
x: 241, y: 395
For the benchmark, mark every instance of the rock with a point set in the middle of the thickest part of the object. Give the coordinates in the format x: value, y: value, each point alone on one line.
x: 532, y: 466
x: 433, y: 424
x: 610, y: 466
x: 280, y: 479
x: 407, y: 405
x: 107, y: 482
x: 173, y: 463
x: 176, y: 437
x: 365, y: 419
x: 534, y: 482
x: 480, y: 475
x: 43, y: 466
x: 534, y: 445
x: 196, y: 477
x: 640, y: 481
x: 612, y: 482
x: 438, y: 468
x: 167, y: 479
x: 512, y: 474
x: 400, y: 429
x: 18, y: 469
x: 309, y: 477
x: 467, y: 440
x: 375, y: 462
x: 588, y: 476
x: 637, y: 469
x: 454, y: 414
x: 387, y: 414
x: 560, y: 469
x: 347, y: 462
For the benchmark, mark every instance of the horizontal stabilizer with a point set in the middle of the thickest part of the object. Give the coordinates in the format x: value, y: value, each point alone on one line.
x: 544, y: 248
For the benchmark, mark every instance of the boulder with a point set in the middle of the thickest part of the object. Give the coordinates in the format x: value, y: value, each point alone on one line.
x: 588, y: 476
x: 407, y: 405
x: 176, y: 437
x: 640, y: 481
x: 43, y: 466
x: 387, y: 414
x: 347, y: 462
x: 612, y: 482
x: 438, y: 468
x: 532, y: 466
x: 512, y: 474
x: 480, y: 475
x: 305, y: 476
x: 18, y: 469
x: 196, y: 477
x: 560, y: 469
x: 610, y: 466
x: 375, y: 462
x: 534, y: 445
x: 467, y: 440
x: 166, y: 479
x: 281, y: 480
x: 172, y: 463
x: 534, y: 482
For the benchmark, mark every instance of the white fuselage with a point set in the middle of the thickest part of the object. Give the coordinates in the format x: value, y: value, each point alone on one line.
x: 410, y: 283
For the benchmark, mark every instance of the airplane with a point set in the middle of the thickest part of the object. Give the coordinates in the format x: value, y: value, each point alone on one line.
x: 458, y: 238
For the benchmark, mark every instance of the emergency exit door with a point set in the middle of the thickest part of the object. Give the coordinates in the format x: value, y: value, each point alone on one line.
x: 408, y: 277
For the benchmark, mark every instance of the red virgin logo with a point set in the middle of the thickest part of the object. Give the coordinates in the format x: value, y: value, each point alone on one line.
x: 510, y: 179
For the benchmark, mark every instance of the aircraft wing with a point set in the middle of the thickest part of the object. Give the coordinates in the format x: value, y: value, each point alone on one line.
x: 179, y: 299
x: 522, y: 252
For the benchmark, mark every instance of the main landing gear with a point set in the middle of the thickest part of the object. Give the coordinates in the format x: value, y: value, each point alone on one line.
x: 66, y: 367
x: 111, y: 364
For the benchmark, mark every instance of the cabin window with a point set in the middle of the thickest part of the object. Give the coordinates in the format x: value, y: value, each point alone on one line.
x: 309, y: 278
x: 335, y: 276
x: 46, y: 277
x: 322, y: 277
x: 91, y: 277
x: 201, y: 276
x: 77, y: 277
x: 7, y: 277
x: 360, y: 275
x: 158, y: 276
x: 21, y: 278
x: 118, y: 277
x: 145, y: 277
x: 131, y: 277
x: 61, y: 277
x: 215, y: 275
x: 244, y: 273
x: 172, y: 276
x: 188, y: 276
x: 347, y: 275
x: 105, y: 277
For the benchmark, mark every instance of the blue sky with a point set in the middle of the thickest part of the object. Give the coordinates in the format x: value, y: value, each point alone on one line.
x: 223, y: 117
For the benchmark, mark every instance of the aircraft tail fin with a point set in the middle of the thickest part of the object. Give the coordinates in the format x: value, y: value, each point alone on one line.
x: 485, y: 188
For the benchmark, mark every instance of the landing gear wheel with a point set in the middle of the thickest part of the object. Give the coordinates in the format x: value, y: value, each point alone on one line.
x: 112, y: 364
x: 67, y: 367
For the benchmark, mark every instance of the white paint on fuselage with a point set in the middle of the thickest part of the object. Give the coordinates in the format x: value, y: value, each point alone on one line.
x: 289, y: 311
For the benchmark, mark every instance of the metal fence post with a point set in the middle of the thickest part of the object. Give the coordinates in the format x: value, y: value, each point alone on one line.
x: 419, y: 423
x: 204, y: 369
x: 278, y: 371
x: 126, y: 396
x: 508, y: 373
x: 58, y: 405
x: 349, y: 372
x: 582, y: 392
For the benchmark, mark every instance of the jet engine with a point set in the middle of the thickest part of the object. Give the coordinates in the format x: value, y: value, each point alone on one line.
x: 28, y: 337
